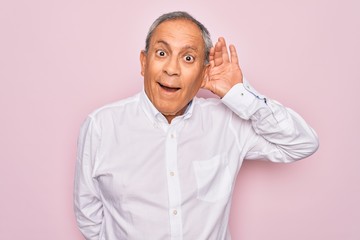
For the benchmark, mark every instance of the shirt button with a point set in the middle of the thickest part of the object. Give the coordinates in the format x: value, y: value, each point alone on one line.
x: 172, y: 135
x: 175, y: 212
x: 172, y: 174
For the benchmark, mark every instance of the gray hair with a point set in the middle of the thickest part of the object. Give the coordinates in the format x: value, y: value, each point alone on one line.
x: 180, y: 15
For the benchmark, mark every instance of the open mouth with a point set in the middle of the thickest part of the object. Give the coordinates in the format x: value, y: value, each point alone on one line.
x: 169, y: 89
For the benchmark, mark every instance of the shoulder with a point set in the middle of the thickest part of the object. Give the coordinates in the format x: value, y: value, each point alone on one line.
x: 210, y: 108
x: 208, y: 104
x: 115, y: 109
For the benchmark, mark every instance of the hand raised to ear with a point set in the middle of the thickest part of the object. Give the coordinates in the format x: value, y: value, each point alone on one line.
x: 224, y: 71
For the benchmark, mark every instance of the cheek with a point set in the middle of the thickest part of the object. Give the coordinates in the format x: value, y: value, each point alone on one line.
x: 195, y: 84
x: 152, y: 67
x: 150, y: 76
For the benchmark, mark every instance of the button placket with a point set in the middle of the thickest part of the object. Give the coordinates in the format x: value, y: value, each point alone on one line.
x: 173, y: 184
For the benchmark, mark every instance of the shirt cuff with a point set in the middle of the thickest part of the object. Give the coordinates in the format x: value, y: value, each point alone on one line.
x: 244, y: 100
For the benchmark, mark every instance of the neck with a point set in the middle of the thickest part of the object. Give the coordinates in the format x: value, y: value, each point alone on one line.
x: 170, y: 117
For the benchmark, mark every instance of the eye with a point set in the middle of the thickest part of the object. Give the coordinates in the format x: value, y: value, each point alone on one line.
x: 160, y: 53
x: 189, y: 58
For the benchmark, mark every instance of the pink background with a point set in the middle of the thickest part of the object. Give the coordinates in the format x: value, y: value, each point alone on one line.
x: 59, y: 60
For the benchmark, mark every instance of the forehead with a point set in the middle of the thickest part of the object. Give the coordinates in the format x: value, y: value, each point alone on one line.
x: 179, y: 33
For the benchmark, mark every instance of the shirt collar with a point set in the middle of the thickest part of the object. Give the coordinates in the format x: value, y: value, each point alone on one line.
x: 155, y: 115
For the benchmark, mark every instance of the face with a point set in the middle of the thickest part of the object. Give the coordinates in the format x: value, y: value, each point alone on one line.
x: 173, y: 68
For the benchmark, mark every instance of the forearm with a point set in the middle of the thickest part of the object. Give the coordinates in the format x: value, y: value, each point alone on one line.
x: 88, y: 206
x: 283, y: 129
x: 88, y: 212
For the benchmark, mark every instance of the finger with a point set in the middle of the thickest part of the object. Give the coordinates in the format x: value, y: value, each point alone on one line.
x: 218, y: 60
x: 211, y: 53
x: 233, y: 54
x: 225, y: 54
x: 211, y: 56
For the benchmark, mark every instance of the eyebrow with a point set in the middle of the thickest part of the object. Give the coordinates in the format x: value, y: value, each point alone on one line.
x: 185, y: 47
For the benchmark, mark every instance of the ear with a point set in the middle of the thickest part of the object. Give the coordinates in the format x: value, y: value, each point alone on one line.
x: 143, y: 61
x: 205, y: 75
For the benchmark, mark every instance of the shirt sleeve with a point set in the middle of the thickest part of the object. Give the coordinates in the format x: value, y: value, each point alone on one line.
x: 280, y: 134
x: 87, y: 202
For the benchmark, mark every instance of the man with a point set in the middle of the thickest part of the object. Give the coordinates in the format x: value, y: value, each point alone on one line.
x: 163, y: 163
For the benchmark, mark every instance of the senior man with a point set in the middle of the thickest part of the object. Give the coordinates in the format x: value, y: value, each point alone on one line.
x: 162, y: 164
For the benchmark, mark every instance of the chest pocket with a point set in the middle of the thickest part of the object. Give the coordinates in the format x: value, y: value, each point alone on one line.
x: 213, y: 178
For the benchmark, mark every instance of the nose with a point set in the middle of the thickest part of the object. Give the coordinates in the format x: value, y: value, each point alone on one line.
x: 172, y: 67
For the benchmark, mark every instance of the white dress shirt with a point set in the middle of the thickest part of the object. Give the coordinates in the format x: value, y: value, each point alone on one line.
x: 140, y: 178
